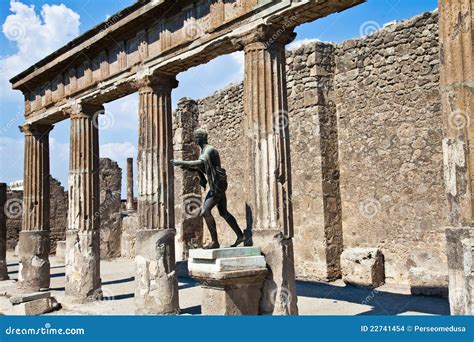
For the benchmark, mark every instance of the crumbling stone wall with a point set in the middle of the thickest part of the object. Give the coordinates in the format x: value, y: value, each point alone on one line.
x: 365, y: 127
x: 110, y: 201
x: 189, y: 225
x: 110, y: 175
x: 390, y: 133
x: 13, y: 210
x: 58, y: 214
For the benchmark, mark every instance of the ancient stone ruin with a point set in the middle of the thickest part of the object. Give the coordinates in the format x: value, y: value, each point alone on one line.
x: 374, y: 126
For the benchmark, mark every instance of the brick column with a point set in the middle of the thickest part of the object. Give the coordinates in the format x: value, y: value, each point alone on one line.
x: 3, y: 233
x: 268, y: 179
x: 83, y: 233
x: 157, y: 285
x: 34, y: 241
x: 457, y: 95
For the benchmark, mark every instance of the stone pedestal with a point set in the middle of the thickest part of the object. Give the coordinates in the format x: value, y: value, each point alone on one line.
x: 231, y: 279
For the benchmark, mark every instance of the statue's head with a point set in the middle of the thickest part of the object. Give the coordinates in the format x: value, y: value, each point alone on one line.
x: 200, y: 136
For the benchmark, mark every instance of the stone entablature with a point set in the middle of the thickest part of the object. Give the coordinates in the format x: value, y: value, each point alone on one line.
x: 104, y: 64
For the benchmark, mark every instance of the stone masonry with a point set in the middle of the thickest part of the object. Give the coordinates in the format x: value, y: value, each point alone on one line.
x: 366, y: 151
x: 375, y: 108
x: 110, y: 175
x: 58, y: 214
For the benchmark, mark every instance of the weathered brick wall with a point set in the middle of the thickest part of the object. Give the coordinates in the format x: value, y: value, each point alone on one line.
x: 367, y: 114
x: 390, y: 132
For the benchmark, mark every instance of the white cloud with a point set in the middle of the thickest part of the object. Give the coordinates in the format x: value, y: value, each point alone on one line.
x: 118, y: 151
x: 11, y: 159
x: 299, y: 43
x: 124, y: 112
x: 35, y: 35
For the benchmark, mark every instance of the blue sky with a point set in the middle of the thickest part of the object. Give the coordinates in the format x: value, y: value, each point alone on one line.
x: 52, y: 23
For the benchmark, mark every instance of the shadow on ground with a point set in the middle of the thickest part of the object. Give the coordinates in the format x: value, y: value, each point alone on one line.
x: 382, y: 303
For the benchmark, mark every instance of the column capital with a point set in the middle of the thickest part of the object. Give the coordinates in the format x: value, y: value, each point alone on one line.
x: 265, y: 37
x: 80, y: 110
x: 36, y: 129
x: 157, y: 81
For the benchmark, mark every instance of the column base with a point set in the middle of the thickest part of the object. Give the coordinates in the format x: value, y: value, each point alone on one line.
x: 279, y: 290
x: 459, y: 242
x: 157, y: 284
x: 83, y: 282
x: 34, y: 268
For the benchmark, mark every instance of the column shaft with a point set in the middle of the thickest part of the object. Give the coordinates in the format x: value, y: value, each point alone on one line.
x: 456, y: 24
x: 157, y: 285
x: 130, y: 199
x: 268, y: 185
x: 3, y: 233
x: 34, y: 238
x: 83, y: 234
x: 457, y: 94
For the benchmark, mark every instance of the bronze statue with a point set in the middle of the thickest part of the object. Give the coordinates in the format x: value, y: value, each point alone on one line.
x: 209, y: 165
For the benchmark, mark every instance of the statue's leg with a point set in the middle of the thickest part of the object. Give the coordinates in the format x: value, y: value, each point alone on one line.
x: 230, y: 219
x: 207, y: 207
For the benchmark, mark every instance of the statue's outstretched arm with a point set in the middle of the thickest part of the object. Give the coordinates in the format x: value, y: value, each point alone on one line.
x: 193, y: 164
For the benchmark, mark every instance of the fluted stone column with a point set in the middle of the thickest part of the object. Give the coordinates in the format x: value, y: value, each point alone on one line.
x: 157, y: 285
x: 83, y: 233
x: 456, y: 34
x: 268, y: 179
x: 34, y: 241
x: 130, y: 205
x: 3, y: 233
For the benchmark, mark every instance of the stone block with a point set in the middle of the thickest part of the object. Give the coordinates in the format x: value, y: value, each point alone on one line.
x: 38, y: 307
x: 428, y: 282
x: 227, y: 264
x: 363, y: 267
x: 61, y: 250
x: 219, y: 253
x: 19, y: 298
